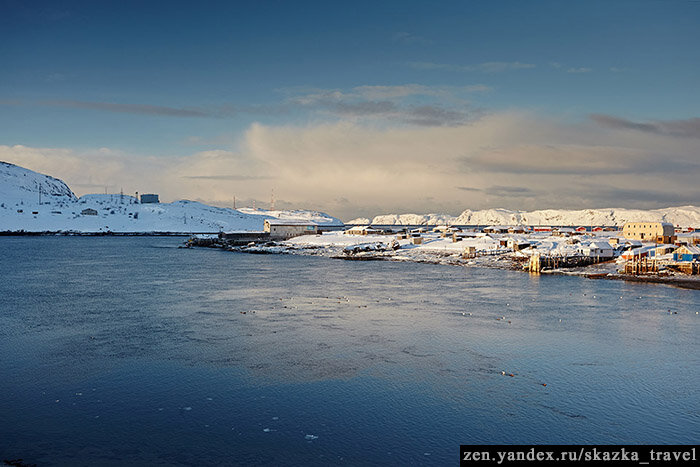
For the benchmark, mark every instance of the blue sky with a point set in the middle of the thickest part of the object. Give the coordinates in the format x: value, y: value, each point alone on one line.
x: 176, y: 79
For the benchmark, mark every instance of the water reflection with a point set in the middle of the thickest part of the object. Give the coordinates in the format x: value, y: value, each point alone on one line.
x: 412, y: 350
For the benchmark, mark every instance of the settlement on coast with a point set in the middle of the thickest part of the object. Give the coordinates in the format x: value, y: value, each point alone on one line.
x: 655, y: 251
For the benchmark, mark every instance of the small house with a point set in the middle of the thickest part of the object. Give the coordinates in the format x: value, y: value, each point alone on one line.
x: 497, y: 229
x: 636, y: 253
x: 89, y: 212
x: 363, y: 230
x: 541, y: 228
x: 661, y: 250
x: 687, y: 253
x: 150, y: 198
x: 563, y: 231
x: 459, y: 236
x: 598, y: 250
x: 581, y: 229
x: 517, y: 245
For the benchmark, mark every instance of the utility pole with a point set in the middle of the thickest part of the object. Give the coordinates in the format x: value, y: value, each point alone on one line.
x: 234, y: 201
x: 272, y: 199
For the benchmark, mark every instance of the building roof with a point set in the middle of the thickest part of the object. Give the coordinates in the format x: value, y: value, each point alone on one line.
x: 277, y: 221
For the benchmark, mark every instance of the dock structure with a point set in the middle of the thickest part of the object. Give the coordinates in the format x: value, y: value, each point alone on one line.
x: 244, y: 238
x: 539, y: 262
x: 642, y: 266
x: 687, y: 267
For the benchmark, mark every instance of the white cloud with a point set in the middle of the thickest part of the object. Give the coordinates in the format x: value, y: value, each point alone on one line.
x: 509, y: 159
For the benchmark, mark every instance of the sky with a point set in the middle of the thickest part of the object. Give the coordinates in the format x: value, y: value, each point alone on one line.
x: 359, y: 108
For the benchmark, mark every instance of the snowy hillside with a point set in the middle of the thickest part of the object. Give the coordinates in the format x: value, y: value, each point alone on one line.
x: 60, y: 210
x: 413, y: 219
x: 18, y: 184
x: 684, y: 216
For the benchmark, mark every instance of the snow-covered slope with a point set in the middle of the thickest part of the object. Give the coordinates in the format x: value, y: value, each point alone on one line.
x: 61, y: 211
x: 413, y: 219
x: 684, y: 216
x: 18, y: 184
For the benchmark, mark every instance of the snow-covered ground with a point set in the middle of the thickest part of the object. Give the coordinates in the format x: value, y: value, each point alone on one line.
x: 684, y: 216
x: 490, y: 249
x: 60, y: 210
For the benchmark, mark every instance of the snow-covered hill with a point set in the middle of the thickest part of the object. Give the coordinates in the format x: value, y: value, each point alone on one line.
x: 684, y: 216
x: 413, y: 219
x: 18, y: 184
x: 60, y: 210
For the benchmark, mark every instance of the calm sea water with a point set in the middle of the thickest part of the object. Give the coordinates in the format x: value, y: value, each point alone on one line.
x: 117, y: 351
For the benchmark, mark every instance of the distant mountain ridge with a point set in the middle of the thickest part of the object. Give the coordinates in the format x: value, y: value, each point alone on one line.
x: 684, y: 216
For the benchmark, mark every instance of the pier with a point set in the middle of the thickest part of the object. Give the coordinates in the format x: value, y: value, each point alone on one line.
x: 538, y: 262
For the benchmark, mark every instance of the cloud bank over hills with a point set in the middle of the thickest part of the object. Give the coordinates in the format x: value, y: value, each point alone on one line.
x: 516, y: 160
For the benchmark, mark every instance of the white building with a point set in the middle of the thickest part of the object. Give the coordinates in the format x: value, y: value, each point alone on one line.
x: 598, y: 250
x: 648, y: 231
x: 285, y: 228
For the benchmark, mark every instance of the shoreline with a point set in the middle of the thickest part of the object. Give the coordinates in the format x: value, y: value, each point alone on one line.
x: 668, y: 280
x: 64, y: 233
x: 681, y: 282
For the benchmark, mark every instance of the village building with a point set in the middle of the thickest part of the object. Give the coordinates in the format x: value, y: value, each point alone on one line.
x: 661, y: 250
x: 469, y: 252
x: 363, y: 230
x: 649, y: 231
x: 637, y: 253
x: 459, y: 236
x: 286, y: 228
x: 149, y: 198
x: 563, y: 231
x: 688, y: 239
x: 498, y: 229
x: 687, y: 253
x: 598, y: 250
x: 517, y: 244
